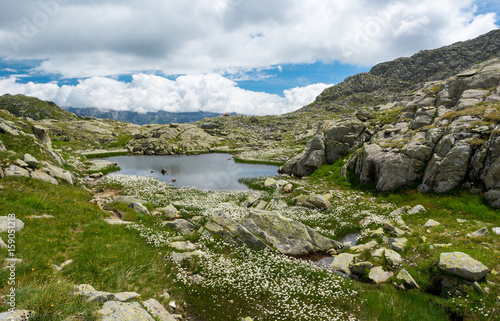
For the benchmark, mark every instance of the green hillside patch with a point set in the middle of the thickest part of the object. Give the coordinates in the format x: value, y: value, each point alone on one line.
x: 34, y: 108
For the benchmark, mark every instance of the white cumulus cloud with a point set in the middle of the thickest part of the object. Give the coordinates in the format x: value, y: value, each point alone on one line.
x: 205, y: 92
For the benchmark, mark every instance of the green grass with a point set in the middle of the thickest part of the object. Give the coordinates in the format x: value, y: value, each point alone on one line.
x: 110, y: 258
x: 105, y: 155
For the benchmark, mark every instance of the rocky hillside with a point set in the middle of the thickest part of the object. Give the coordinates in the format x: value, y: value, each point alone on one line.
x: 33, y: 108
x: 384, y: 82
x: 445, y: 136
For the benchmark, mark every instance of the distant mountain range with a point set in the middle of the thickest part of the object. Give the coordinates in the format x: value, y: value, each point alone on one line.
x: 159, y: 117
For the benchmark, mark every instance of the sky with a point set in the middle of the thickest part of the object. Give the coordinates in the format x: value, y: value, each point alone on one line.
x: 254, y: 57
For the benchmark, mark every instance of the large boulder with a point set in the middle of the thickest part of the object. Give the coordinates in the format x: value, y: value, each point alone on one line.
x: 448, y: 166
x: 462, y: 265
x: 286, y: 235
x: 232, y: 232
x: 182, y: 226
x: 342, y: 263
x: 157, y: 310
x: 42, y: 134
x: 343, y: 136
x: 309, y: 160
x: 493, y: 198
x: 387, y: 169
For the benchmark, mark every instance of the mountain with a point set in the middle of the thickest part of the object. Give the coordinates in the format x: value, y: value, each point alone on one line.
x: 386, y: 80
x: 159, y: 117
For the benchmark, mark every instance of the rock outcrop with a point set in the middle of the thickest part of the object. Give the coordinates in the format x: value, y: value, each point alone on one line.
x: 462, y: 265
x: 445, y: 136
x: 169, y: 140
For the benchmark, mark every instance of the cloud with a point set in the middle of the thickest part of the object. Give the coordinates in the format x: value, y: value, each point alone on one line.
x: 207, y: 92
x: 108, y: 37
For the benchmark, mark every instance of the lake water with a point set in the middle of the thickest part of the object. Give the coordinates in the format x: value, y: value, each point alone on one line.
x: 207, y: 171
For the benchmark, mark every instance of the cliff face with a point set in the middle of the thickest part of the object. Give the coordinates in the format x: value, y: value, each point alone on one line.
x: 384, y: 81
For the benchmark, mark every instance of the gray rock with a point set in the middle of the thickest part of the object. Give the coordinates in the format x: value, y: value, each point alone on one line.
x: 252, y: 200
x: 363, y: 247
x: 126, y: 296
x: 397, y: 244
x: 286, y: 235
x: 388, y: 170
x: 42, y: 134
x: 342, y: 263
x: 127, y: 199
x: 44, y: 177
x: 182, y: 226
x: 481, y: 232
x: 462, y: 265
x: 120, y: 311
x: 183, y: 246
x: 17, y: 315
x: 169, y: 212
x: 309, y: 160
x: 393, y: 258
x: 360, y: 268
x: 157, y: 310
x: 343, y: 136
x: 496, y: 230
x: 30, y: 160
x: 14, y: 170
x: 99, y: 296
x: 138, y: 208
x: 444, y: 173
x: 493, y: 198
x: 431, y: 223
x: 378, y: 275
x: 20, y: 163
x: 58, y: 172
x: 393, y: 230
x: 492, y: 179
x: 233, y: 232
x: 261, y: 205
x: 400, y: 211
x: 407, y: 278
x: 179, y: 257
x: 313, y: 200
x: 377, y: 233
x: 9, y: 222
x: 417, y: 210
x: 117, y: 221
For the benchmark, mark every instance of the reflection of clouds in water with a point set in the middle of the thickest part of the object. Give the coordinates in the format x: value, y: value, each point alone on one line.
x: 208, y: 171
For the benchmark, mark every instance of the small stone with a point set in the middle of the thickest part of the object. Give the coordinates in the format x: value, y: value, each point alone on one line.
x: 378, y: 275
x: 270, y: 182
x: 20, y: 163
x: 478, y: 288
x: 400, y: 211
x: 288, y: 188
x: 31, y: 161
x: 157, y: 310
x: 182, y: 226
x: 172, y: 305
x: 459, y: 220
x: 169, y: 212
x: 360, y: 267
x: 9, y: 222
x: 399, y: 221
x: 496, y: 230
x: 393, y: 258
x: 423, y: 238
x: 378, y: 233
x: 342, y: 262
x: 117, y: 221
x: 417, y: 210
x: 126, y: 296
x: 431, y: 223
x: 183, y: 246
x: 407, y: 278
x: 397, y: 244
x: 138, y: 207
x: 99, y: 296
x: 364, y: 247
x: 479, y: 233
